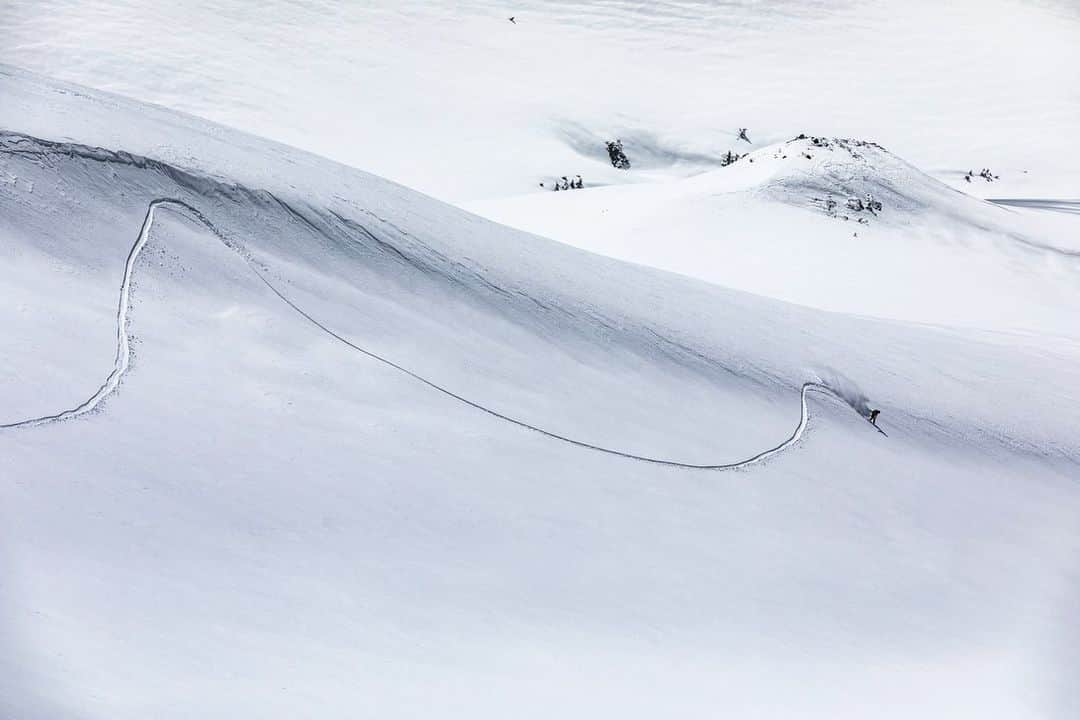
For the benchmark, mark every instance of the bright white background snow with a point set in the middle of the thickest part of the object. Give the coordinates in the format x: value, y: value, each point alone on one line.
x: 263, y: 523
x: 452, y: 99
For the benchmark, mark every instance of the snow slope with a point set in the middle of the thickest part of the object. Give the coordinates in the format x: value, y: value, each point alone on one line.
x: 931, y: 254
x: 453, y: 99
x: 263, y: 521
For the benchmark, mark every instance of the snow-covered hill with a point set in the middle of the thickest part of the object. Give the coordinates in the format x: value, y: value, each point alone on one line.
x: 793, y: 221
x: 265, y: 520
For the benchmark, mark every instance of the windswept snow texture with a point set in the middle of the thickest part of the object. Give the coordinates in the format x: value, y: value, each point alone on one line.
x: 262, y: 522
x: 450, y: 98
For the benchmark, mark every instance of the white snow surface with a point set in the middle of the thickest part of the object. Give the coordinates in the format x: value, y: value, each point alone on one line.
x: 263, y: 521
x: 931, y: 255
x: 454, y: 100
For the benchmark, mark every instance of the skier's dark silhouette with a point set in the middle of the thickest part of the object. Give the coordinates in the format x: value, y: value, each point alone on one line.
x: 513, y: 20
x: 742, y: 135
x: 873, y: 417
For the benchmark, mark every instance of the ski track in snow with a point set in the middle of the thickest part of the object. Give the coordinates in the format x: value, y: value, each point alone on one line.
x: 1071, y: 207
x: 123, y: 360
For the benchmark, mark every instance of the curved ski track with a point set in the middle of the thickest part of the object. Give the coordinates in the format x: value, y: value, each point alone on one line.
x: 123, y: 358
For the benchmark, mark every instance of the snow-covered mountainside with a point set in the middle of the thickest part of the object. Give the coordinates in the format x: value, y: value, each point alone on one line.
x: 837, y: 224
x: 310, y: 493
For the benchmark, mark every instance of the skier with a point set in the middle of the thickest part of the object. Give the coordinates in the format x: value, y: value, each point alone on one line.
x: 580, y: 183
x: 742, y: 135
x: 565, y: 184
x: 512, y: 19
x: 873, y: 417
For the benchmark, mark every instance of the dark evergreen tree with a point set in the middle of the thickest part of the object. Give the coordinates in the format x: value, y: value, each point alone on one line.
x: 618, y: 155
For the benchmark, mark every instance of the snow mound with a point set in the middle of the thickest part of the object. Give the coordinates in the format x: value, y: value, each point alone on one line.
x: 845, y: 178
x: 850, y: 176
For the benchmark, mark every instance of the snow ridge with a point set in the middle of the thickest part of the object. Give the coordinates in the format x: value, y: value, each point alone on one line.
x: 123, y: 358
